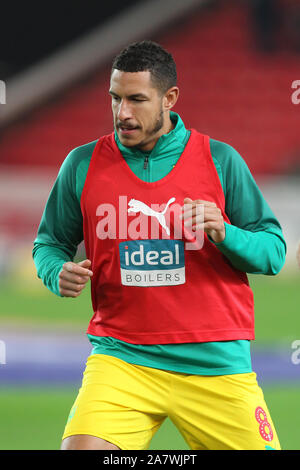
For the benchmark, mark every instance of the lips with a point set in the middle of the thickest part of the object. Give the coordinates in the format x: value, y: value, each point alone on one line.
x: 127, y: 130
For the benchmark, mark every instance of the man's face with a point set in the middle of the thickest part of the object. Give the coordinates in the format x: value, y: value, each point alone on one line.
x: 137, y: 108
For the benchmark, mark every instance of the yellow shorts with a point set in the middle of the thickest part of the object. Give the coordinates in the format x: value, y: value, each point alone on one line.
x: 125, y: 404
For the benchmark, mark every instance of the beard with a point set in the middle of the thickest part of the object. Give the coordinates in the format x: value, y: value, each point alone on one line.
x: 159, y: 122
x: 150, y: 132
x: 153, y: 130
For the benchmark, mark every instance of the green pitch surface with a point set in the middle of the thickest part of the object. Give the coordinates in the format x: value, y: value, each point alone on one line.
x: 33, y: 419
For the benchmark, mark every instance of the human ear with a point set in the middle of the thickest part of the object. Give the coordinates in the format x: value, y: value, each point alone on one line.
x: 170, y: 98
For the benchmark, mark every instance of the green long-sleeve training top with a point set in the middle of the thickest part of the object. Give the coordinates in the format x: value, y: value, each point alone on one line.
x: 254, y: 243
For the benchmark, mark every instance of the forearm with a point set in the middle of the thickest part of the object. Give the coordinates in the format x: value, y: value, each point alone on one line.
x: 49, y: 261
x: 261, y: 252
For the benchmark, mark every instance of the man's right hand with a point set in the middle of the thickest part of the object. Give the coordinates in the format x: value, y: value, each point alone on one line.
x: 73, y: 278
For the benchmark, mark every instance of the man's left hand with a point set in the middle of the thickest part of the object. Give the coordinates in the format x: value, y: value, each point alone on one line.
x: 212, y: 223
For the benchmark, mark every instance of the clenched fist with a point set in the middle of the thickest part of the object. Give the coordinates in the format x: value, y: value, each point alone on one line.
x: 212, y: 223
x: 73, y: 278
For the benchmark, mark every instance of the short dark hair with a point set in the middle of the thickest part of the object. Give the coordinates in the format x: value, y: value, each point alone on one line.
x: 148, y: 56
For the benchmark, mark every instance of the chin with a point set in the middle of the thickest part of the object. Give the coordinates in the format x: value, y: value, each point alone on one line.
x: 128, y: 143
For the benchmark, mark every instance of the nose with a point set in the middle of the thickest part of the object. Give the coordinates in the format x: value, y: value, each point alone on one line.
x: 124, y: 110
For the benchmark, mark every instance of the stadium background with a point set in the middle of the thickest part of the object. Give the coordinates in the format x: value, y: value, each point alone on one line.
x: 236, y: 63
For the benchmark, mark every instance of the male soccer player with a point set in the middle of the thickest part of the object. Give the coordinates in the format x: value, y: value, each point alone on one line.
x: 173, y: 312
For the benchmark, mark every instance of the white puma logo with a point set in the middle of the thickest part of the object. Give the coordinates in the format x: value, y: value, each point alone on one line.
x: 139, y: 206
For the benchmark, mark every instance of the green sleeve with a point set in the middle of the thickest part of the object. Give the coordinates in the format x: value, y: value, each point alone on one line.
x: 254, y: 242
x: 60, y: 230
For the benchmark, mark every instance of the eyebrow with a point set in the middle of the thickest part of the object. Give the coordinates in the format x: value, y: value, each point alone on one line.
x: 135, y: 95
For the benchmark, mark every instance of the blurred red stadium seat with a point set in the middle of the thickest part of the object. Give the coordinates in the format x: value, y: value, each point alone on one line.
x: 228, y: 90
